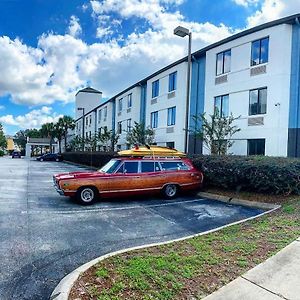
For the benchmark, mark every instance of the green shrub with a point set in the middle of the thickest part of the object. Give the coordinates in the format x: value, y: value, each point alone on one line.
x: 94, y: 159
x: 1, y: 152
x: 273, y: 175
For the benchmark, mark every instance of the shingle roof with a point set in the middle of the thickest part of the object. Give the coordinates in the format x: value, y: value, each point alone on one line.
x: 88, y: 90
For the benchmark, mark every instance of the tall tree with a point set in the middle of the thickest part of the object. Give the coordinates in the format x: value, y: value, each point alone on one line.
x: 20, y: 137
x: 215, y: 132
x: 108, y: 138
x: 3, y: 142
x: 48, y: 130
x: 141, y: 135
x: 64, y: 124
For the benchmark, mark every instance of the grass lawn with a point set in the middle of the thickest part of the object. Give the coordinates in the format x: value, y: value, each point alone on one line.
x: 193, y: 268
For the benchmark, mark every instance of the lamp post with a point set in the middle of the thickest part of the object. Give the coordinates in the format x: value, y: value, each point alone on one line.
x: 82, y: 108
x: 182, y: 32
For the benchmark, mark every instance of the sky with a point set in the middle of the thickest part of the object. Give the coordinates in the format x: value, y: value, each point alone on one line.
x: 51, y: 49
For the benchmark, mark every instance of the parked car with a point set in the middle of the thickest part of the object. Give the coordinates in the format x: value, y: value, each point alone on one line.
x: 16, y: 154
x: 125, y: 176
x: 50, y: 157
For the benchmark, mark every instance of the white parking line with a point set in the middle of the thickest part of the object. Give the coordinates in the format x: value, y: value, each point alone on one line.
x: 108, y: 209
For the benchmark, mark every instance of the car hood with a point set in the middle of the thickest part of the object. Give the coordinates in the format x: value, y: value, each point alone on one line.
x: 72, y: 175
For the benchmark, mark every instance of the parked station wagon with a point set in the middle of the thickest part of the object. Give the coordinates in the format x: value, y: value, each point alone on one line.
x: 125, y: 176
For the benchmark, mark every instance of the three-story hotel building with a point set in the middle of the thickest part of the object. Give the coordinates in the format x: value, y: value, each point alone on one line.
x: 255, y: 75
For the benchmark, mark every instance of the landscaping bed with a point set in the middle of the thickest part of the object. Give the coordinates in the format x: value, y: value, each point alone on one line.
x: 194, y: 268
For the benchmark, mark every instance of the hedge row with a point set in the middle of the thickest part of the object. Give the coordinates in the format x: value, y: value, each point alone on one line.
x: 262, y: 174
x: 93, y: 159
x: 253, y: 173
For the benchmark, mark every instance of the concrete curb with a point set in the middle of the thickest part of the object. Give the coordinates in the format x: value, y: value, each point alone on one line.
x: 62, y: 290
x: 237, y: 201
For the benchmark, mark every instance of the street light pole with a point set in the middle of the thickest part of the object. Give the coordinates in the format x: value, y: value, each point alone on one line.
x: 82, y: 108
x: 182, y: 32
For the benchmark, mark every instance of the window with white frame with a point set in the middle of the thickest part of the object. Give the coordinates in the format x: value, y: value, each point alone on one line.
x: 260, y: 51
x: 90, y: 119
x: 155, y: 88
x: 172, y: 81
x: 86, y: 121
x: 154, y: 119
x: 222, y: 105
x: 223, y: 62
x: 129, y: 101
x: 171, y: 116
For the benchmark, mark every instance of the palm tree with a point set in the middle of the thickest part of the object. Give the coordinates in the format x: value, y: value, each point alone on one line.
x: 48, y: 130
x: 64, y: 124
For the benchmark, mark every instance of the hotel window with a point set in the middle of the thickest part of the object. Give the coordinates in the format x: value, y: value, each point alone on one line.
x: 170, y: 145
x: 105, y: 113
x: 128, y: 125
x: 260, y: 51
x: 120, y: 104
x: 99, y: 115
x: 86, y: 121
x: 258, y: 101
x: 155, y: 88
x: 90, y: 119
x: 171, y: 116
x: 172, y: 81
x: 223, y: 62
x: 222, y: 105
x: 119, y: 127
x: 129, y: 101
x: 154, y: 119
x: 256, y: 147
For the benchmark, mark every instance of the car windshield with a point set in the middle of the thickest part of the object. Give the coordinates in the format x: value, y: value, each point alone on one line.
x: 110, y: 167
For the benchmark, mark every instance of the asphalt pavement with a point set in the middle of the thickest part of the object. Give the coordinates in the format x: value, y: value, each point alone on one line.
x: 44, y: 236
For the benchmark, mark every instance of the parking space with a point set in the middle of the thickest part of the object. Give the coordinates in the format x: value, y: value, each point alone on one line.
x: 44, y: 236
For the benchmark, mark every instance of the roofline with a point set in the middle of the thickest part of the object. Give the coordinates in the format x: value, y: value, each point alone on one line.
x: 286, y: 20
x: 91, y: 92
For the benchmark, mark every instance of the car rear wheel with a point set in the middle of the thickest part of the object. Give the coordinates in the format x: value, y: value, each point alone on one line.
x: 170, y: 191
x: 57, y: 159
x: 41, y: 159
x: 86, y: 195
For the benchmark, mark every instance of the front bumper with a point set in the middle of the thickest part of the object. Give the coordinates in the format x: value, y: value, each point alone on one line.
x: 56, y: 185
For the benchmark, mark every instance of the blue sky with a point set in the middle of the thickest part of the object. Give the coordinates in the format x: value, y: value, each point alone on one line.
x: 50, y: 49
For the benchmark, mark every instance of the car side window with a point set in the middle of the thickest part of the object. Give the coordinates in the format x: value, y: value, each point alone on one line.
x: 129, y: 167
x: 173, y: 166
x: 147, y: 166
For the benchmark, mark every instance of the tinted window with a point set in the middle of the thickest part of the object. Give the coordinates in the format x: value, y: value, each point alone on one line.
x: 260, y: 51
x: 131, y: 167
x: 173, y: 166
x: 147, y: 166
x: 256, y: 147
x: 258, y: 101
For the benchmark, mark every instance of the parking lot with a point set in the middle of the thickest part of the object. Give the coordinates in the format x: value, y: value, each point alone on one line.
x: 44, y: 236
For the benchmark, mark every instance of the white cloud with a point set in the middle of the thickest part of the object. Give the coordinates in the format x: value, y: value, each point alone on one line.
x: 272, y: 10
x: 74, y: 27
x: 246, y: 3
x: 33, y: 119
x: 62, y: 64
x: 2, y: 107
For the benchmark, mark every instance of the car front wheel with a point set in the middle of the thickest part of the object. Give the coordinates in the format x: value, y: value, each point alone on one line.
x: 170, y: 191
x: 86, y: 195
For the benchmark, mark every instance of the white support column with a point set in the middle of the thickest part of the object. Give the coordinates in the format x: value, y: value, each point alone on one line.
x: 28, y: 150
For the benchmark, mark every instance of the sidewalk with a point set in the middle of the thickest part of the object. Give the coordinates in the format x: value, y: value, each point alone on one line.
x: 275, y: 279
